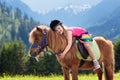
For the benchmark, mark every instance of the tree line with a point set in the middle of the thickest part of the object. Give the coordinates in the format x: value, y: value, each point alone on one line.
x: 14, y: 60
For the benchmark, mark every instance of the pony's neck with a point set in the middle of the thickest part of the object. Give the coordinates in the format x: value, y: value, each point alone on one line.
x: 56, y: 42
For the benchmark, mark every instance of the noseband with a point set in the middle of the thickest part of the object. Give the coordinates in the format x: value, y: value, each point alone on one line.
x: 44, y: 41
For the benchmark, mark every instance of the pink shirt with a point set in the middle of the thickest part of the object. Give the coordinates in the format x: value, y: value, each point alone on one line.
x: 77, y: 31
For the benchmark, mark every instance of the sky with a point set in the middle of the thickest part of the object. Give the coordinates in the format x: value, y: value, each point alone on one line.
x: 47, y: 5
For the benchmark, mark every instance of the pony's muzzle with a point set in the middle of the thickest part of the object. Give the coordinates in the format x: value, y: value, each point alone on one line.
x: 33, y: 54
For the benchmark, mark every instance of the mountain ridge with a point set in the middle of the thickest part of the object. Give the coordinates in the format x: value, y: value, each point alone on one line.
x: 105, y: 14
x: 110, y: 28
x: 86, y: 18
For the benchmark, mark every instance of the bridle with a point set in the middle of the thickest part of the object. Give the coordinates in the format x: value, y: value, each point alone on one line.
x: 44, y: 41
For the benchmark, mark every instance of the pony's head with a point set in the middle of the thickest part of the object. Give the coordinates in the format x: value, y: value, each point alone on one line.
x: 37, y: 38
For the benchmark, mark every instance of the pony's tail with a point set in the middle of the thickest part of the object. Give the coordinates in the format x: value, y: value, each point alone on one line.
x: 112, y: 53
x: 109, y: 65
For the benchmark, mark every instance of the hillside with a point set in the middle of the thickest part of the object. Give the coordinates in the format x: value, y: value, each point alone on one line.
x: 110, y: 28
x: 71, y: 15
x: 14, y: 24
x: 85, y: 18
x: 16, y: 15
x: 101, y: 12
x: 22, y: 6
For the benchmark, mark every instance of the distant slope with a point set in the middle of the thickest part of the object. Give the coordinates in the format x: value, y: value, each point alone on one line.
x: 101, y: 11
x: 103, y: 18
x: 22, y: 6
x: 86, y: 18
x: 110, y: 28
x: 14, y: 25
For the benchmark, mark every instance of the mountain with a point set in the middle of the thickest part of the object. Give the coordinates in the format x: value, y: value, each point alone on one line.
x: 110, y: 28
x: 67, y: 14
x: 71, y: 15
x: 100, y: 12
x: 103, y: 16
x: 14, y: 25
x: 22, y: 6
x: 85, y: 18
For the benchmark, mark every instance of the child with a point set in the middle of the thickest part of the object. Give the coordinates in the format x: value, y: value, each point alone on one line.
x: 86, y: 39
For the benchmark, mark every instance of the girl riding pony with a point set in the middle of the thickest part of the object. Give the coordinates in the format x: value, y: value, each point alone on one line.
x: 85, y: 38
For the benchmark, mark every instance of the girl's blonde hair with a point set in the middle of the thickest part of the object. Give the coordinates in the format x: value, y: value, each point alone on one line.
x: 64, y: 30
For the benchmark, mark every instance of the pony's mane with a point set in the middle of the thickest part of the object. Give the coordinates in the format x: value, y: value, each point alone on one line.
x: 57, y: 42
x: 32, y: 33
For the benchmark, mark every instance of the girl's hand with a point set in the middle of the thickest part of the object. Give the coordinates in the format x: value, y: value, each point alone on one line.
x: 60, y: 56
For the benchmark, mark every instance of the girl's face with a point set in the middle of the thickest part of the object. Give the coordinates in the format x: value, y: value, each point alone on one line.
x: 59, y: 29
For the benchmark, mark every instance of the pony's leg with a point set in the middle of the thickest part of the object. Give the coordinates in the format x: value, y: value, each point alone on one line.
x: 99, y: 74
x: 109, y: 71
x: 109, y: 67
x: 108, y: 61
x: 66, y: 73
x: 74, y: 69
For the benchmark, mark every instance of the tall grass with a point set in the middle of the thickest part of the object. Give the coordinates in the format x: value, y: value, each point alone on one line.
x: 53, y: 77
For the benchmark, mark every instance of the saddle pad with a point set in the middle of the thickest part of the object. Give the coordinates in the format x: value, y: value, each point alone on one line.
x: 95, y: 49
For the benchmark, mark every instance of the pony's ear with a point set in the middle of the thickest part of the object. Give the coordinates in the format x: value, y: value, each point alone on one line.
x: 39, y: 29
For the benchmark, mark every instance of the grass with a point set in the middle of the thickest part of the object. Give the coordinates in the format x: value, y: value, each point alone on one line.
x: 53, y: 77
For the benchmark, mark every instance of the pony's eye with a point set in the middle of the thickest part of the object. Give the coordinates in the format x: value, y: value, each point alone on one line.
x: 37, y: 39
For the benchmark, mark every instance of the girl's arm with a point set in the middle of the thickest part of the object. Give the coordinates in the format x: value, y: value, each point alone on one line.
x: 69, y: 38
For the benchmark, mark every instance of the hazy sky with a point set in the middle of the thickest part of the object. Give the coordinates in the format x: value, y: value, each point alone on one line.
x: 47, y: 5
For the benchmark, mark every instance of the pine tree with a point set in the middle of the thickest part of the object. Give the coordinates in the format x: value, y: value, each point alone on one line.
x: 117, y: 56
x: 12, y: 58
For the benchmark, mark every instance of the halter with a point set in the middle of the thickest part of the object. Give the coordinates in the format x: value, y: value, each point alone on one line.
x: 44, y: 41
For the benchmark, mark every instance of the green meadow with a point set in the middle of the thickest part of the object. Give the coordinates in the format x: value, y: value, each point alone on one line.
x: 54, y: 77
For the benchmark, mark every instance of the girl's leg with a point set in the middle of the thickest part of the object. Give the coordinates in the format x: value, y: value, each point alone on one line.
x: 91, y: 53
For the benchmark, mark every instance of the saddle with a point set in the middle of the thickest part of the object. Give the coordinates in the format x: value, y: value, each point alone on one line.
x: 83, y: 51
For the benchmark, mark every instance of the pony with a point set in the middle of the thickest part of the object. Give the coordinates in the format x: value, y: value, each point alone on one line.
x: 42, y: 37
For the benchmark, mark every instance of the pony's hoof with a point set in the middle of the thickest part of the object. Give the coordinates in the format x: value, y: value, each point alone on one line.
x: 99, y: 70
